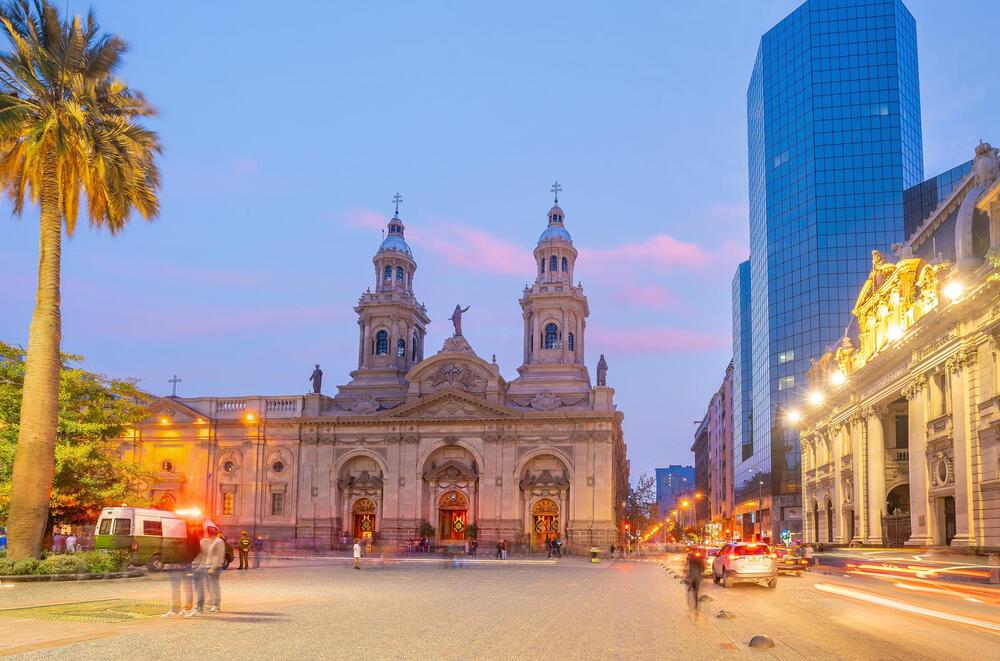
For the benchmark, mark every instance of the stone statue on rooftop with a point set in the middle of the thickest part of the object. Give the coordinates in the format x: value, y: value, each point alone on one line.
x: 456, y: 318
x: 317, y: 380
x: 602, y: 371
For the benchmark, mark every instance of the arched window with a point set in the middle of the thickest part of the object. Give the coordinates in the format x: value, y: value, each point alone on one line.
x: 381, y: 343
x: 572, y: 345
x: 541, y: 265
x: 551, y: 335
x: 413, y: 349
x: 565, y: 265
x: 399, y: 273
x: 553, y: 263
x: 388, y: 273
x: 401, y: 348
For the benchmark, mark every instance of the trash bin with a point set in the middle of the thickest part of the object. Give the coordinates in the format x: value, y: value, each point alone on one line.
x: 595, y: 554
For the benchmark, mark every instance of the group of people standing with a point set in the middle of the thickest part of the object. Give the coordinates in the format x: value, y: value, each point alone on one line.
x: 553, y: 547
x: 194, y: 583
x: 66, y: 540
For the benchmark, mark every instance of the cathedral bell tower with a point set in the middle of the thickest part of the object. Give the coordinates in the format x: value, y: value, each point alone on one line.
x: 391, y: 323
x: 555, y: 313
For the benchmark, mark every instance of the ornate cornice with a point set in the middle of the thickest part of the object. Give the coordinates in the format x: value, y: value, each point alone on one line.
x: 915, y: 387
x: 957, y: 361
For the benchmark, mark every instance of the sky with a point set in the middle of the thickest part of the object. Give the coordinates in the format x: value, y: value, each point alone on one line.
x: 287, y: 130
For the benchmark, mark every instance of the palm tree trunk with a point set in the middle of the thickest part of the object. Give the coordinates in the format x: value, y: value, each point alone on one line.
x: 34, y: 461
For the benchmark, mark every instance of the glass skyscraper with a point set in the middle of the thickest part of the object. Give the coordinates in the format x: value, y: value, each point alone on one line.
x: 833, y: 119
x: 742, y: 365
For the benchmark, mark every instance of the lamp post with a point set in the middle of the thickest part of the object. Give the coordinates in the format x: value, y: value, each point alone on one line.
x: 760, y: 509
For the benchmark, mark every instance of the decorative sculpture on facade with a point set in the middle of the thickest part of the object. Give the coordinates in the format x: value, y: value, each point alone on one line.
x: 456, y: 318
x: 602, y: 371
x: 316, y: 378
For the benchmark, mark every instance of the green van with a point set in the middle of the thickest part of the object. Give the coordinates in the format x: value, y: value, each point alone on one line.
x: 153, y: 536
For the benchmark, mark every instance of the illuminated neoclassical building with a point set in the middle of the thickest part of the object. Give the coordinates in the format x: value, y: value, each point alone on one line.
x: 414, y: 439
x: 901, y: 427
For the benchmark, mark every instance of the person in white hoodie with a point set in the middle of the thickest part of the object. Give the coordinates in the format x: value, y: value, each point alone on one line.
x: 207, y: 565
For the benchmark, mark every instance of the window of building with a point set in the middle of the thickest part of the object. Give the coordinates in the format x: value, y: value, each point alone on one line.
x: 399, y: 273
x: 413, y: 349
x: 381, y: 343
x: 572, y: 344
x: 565, y: 264
x: 277, y: 504
x: 902, y: 431
x: 388, y: 273
x: 154, y: 528
x: 401, y: 348
x: 786, y: 356
x: 553, y: 263
x: 278, y: 467
x: 786, y: 382
x: 551, y: 335
x: 228, y: 503
x: 541, y: 265
x: 229, y: 466
x: 167, y: 466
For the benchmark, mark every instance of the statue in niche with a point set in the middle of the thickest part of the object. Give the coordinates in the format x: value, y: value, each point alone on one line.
x: 316, y: 378
x: 602, y: 371
x: 456, y: 318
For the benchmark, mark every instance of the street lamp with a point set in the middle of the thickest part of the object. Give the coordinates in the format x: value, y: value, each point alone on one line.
x: 760, y: 509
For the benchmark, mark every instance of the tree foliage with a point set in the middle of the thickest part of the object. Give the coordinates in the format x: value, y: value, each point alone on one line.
x: 94, y: 411
x: 640, y: 504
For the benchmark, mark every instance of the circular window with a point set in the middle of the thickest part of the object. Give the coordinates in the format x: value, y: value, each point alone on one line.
x: 942, y: 471
x: 168, y: 466
x: 278, y: 467
x: 229, y: 467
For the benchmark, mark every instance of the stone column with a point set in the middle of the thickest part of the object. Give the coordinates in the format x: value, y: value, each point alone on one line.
x: 875, y: 476
x: 860, y: 514
x: 527, y: 338
x: 564, y: 336
x: 920, y: 513
x: 959, y: 368
x: 836, y: 452
x: 366, y: 350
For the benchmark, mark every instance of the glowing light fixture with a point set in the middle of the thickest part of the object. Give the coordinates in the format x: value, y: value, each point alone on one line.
x: 794, y: 416
x: 191, y: 511
x: 815, y: 398
x: 164, y: 420
x: 894, y: 333
x: 838, y: 378
x: 249, y: 416
x: 954, y: 290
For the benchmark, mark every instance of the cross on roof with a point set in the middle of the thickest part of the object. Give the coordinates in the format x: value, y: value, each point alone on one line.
x: 397, y: 198
x: 555, y: 189
x: 174, y: 381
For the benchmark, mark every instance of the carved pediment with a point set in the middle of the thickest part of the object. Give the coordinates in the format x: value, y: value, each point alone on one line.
x: 545, y: 479
x: 457, y: 375
x: 450, y: 471
x: 449, y: 404
x: 173, y: 411
x: 363, y: 481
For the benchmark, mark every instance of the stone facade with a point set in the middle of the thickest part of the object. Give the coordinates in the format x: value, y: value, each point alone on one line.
x: 413, y: 441
x: 901, y: 430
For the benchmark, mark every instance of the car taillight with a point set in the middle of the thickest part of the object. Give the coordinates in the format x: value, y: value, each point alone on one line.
x: 803, y: 562
x: 774, y: 556
x: 733, y: 557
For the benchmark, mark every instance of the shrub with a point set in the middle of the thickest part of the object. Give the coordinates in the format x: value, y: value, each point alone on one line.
x: 98, y: 562
x: 24, y: 567
x: 62, y: 564
x: 6, y: 567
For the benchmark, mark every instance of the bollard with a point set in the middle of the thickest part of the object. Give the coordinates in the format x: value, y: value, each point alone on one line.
x: 725, y: 615
x: 761, y: 642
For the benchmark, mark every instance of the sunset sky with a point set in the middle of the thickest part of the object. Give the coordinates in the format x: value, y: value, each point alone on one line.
x: 287, y: 132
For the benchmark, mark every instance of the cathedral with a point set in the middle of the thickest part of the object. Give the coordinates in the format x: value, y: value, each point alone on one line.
x: 415, y: 444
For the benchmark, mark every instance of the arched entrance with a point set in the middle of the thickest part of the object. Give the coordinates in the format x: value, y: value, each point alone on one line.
x: 544, y: 522
x: 453, y: 516
x: 363, y: 514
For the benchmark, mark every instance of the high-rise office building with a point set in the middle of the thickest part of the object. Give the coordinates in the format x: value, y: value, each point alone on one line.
x: 833, y: 118
x: 921, y: 200
x: 671, y: 483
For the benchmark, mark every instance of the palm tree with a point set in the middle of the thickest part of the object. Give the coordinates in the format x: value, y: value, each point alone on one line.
x: 67, y: 126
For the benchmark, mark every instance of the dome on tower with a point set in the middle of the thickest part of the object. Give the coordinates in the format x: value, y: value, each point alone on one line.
x: 555, y: 230
x: 394, y: 239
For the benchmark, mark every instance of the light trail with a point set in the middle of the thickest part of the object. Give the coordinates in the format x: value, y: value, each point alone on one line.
x: 905, y: 607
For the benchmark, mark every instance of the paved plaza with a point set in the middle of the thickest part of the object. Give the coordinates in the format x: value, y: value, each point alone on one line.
x: 311, y: 609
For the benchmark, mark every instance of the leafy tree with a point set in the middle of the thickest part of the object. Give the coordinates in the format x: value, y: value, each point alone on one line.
x: 93, y: 413
x: 640, y: 503
x: 68, y: 127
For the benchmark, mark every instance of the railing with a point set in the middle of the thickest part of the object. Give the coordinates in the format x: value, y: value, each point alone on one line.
x: 231, y: 405
x: 901, y: 456
x: 939, y: 428
x: 283, y: 405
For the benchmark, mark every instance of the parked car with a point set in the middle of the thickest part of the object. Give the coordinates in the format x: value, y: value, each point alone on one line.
x: 707, y: 553
x: 742, y: 562
x: 154, y: 536
x: 789, y: 561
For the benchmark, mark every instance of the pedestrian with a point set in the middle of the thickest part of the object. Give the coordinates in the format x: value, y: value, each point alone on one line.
x: 548, y: 548
x: 182, y: 580
x: 558, y: 547
x: 612, y: 550
x: 258, y: 549
x: 357, y: 553
x: 243, y: 546
x: 695, y: 573
x: 807, y: 553
x: 499, y: 549
x: 474, y: 547
x: 503, y: 549
x: 3, y: 539
x: 71, y: 542
x: 58, y: 541
x: 207, y: 565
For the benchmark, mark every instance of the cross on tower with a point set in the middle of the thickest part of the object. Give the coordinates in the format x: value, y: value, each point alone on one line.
x: 555, y: 189
x: 397, y: 198
x: 174, y: 381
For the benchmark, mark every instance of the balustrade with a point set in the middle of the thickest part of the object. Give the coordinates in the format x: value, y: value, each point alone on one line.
x: 231, y: 405
x: 897, y: 455
x: 939, y: 428
x: 282, y: 405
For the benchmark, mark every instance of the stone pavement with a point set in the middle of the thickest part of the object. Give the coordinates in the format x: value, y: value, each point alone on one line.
x: 569, y: 610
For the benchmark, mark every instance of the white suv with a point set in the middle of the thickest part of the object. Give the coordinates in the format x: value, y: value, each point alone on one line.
x: 745, y: 561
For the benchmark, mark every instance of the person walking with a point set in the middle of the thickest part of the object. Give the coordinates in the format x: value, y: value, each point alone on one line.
x: 695, y: 574
x: 207, y: 565
x: 244, y: 545
x: 58, y: 541
x: 807, y: 553
x: 71, y: 542
x: 474, y: 547
x: 612, y: 550
x: 357, y: 553
x: 503, y: 549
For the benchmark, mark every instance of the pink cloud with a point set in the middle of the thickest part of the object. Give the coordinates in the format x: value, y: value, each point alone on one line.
x: 656, y: 340
x: 476, y: 250
x: 661, y: 250
x: 649, y: 296
x: 366, y: 219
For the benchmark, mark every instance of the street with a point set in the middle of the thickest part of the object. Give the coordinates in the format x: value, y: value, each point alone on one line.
x: 507, y: 609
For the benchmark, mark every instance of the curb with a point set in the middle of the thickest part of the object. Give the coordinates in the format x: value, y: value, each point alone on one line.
x: 41, y: 578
